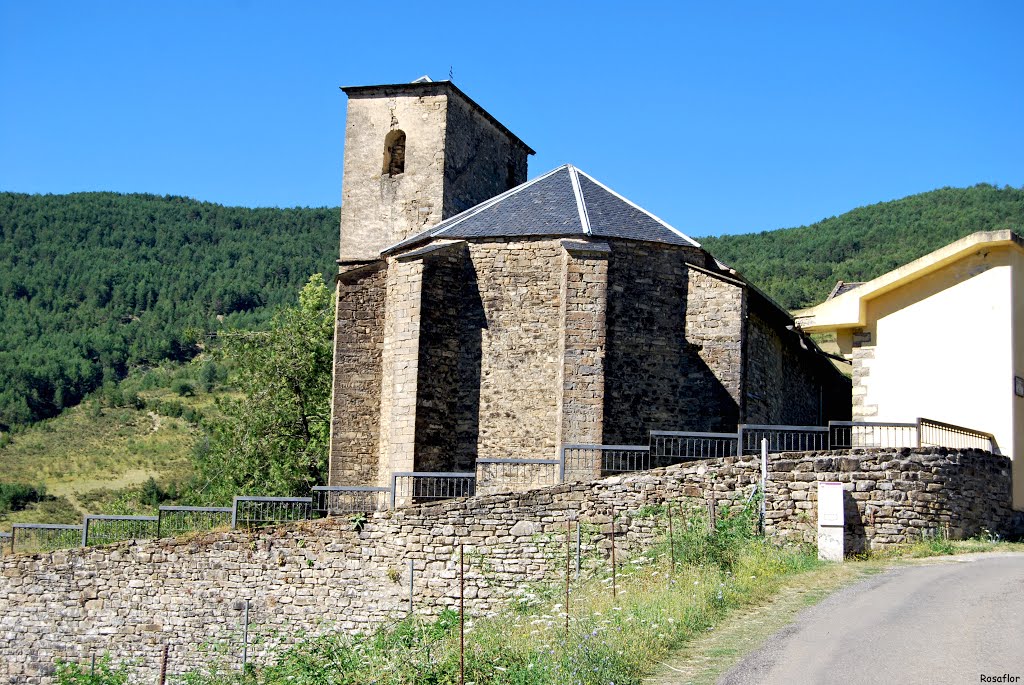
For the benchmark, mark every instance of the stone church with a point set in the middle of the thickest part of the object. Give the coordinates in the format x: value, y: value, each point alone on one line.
x: 482, y: 315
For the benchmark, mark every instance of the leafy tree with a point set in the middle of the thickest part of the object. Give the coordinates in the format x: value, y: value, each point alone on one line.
x: 274, y: 440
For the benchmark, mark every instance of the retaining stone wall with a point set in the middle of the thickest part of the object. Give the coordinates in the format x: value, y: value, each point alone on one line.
x: 318, y: 576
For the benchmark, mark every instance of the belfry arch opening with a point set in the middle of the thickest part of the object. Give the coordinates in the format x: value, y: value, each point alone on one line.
x: 394, y: 153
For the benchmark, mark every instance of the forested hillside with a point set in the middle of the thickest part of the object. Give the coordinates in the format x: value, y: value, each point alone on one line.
x: 798, y: 266
x: 92, y: 284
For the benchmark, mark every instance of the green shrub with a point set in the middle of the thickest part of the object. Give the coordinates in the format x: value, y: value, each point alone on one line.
x: 70, y: 673
x: 16, y: 496
x: 183, y: 388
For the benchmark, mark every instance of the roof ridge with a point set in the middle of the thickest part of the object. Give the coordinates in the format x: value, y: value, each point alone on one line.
x: 472, y: 211
x: 639, y: 208
x: 581, y: 203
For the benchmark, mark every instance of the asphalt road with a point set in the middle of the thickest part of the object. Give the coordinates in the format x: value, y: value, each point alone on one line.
x: 949, y: 621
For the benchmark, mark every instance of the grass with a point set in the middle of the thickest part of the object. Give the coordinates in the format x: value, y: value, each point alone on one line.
x: 95, y: 458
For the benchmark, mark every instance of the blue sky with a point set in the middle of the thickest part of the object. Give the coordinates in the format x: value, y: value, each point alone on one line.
x: 720, y: 117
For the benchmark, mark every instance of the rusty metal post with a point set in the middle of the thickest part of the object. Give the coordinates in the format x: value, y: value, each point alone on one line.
x: 245, y: 638
x: 462, y: 615
x: 712, y: 512
x: 579, y: 549
x: 615, y: 591
x: 163, y: 666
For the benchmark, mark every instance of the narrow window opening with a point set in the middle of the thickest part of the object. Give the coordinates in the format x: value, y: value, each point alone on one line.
x: 394, y: 153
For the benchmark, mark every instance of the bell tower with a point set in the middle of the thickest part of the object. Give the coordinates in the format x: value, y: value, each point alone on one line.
x: 415, y: 154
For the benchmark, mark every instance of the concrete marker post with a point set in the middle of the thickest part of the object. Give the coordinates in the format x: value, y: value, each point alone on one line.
x: 831, y: 521
x: 764, y: 481
x: 568, y: 563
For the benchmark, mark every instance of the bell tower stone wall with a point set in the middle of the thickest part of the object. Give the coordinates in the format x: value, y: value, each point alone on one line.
x: 416, y: 154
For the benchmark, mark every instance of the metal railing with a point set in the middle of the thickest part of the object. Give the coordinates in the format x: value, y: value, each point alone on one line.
x: 338, y: 500
x: 782, y: 438
x: 174, y: 521
x: 44, y: 537
x: 412, y: 487
x: 253, y: 512
x: 104, y: 530
x: 585, y: 462
x: 670, y: 447
x: 933, y: 433
x: 517, y: 474
x: 5, y: 541
x: 849, y: 434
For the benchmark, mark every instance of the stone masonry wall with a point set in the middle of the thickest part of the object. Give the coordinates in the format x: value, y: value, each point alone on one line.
x: 308, y: 578
x: 399, y: 368
x: 862, y: 356
x: 715, y: 312
x: 448, y: 389
x: 378, y: 210
x: 519, y: 284
x: 778, y: 391
x: 786, y: 384
x: 481, y: 160
x: 584, y: 299
x: 358, y: 342
x: 654, y: 378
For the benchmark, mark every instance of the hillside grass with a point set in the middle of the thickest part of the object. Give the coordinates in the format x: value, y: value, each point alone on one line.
x: 96, y: 458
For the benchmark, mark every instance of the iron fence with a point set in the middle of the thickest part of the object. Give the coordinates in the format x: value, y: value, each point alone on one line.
x: 782, y: 438
x: 253, y: 512
x: 517, y: 474
x: 586, y: 462
x: 174, y: 521
x: 412, y: 487
x: 104, y: 530
x: 44, y: 537
x: 938, y: 434
x: 5, y: 541
x: 338, y: 500
x: 670, y: 447
x: 849, y: 434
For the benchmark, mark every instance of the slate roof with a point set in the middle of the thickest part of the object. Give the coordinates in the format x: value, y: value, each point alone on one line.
x: 562, y: 202
x: 843, y: 287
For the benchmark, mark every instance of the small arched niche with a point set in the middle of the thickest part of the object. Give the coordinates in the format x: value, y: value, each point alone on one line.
x: 394, y: 153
